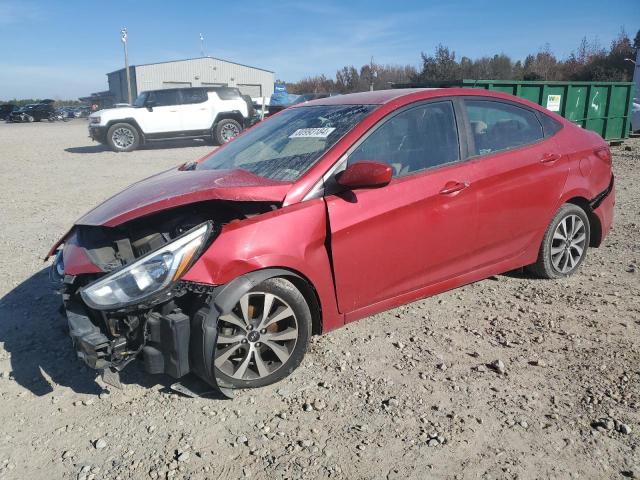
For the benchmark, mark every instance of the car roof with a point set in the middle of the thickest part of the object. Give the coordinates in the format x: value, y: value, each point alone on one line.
x: 376, y: 97
x: 401, y: 96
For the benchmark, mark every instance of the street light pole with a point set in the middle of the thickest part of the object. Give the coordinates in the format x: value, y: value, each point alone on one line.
x: 201, y: 45
x: 125, y: 38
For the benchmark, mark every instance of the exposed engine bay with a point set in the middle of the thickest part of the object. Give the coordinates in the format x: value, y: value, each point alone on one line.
x: 162, y: 326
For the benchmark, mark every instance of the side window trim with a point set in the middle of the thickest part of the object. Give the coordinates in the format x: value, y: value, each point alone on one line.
x: 471, y: 139
x: 558, y: 125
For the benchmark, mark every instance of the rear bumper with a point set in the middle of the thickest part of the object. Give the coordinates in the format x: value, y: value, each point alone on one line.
x: 603, y: 206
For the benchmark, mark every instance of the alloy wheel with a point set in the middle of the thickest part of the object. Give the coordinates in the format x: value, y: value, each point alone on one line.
x: 229, y: 131
x: 257, y: 337
x: 568, y: 243
x: 123, y: 137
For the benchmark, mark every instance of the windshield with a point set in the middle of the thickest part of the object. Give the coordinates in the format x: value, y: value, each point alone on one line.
x: 287, y: 145
x: 140, y: 99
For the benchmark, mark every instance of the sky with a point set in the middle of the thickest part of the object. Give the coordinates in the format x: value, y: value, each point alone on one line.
x: 63, y: 48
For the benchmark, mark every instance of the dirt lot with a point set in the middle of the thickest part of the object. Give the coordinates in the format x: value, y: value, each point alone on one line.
x: 404, y: 394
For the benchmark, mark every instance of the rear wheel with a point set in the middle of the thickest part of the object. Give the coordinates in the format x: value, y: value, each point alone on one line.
x: 123, y: 137
x: 226, y: 130
x: 264, y: 338
x: 565, y: 243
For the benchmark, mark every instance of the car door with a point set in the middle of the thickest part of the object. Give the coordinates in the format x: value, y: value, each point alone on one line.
x: 162, y: 113
x: 415, y: 231
x: 521, y: 175
x: 195, y: 110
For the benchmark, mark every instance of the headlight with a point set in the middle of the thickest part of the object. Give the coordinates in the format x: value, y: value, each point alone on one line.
x: 149, y: 275
x: 56, y: 272
x: 94, y: 119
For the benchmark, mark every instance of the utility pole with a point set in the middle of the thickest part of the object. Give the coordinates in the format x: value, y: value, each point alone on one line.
x: 201, y: 45
x: 372, y: 75
x: 125, y: 39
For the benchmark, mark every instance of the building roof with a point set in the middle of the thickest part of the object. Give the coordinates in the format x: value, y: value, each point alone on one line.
x: 195, y: 58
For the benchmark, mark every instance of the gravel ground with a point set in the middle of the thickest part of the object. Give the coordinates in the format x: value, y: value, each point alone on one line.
x: 509, y: 377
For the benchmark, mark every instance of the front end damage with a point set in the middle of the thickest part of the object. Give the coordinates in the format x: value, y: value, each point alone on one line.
x: 124, y: 297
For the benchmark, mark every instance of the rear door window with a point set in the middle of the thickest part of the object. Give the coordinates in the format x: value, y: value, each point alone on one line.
x: 497, y: 126
x: 193, y: 96
x: 164, y: 98
x: 422, y: 137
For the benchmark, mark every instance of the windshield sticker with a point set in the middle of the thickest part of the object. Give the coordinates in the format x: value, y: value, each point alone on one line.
x: 312, y: 132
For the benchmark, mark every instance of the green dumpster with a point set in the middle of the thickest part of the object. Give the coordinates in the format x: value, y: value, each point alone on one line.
x: 604, y: 107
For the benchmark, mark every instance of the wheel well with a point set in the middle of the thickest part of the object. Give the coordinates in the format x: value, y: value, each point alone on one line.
x: 235, y: 115
x: 227, y: 295
x: 594, y: 221
x: 311, y: 296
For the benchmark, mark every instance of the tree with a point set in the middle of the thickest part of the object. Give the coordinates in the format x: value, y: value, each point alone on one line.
x: 590, y: 61
x: 440, y: 67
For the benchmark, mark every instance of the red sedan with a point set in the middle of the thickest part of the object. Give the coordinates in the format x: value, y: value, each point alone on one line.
x: 326, y: 213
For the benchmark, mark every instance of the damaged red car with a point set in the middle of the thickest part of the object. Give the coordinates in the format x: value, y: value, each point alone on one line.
x: 325, y: 213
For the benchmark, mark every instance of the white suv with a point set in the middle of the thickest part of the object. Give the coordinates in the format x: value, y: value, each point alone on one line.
x: 217, y: 113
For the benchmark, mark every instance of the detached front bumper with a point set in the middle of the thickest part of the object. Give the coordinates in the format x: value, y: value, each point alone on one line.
x: 98, y: 133
x: 164, y: 345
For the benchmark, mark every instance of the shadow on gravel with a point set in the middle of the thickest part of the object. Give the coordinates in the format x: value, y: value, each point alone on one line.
x: 34, y: 332
x: 159, y: 145
x: 521, y: 273
x: 88, y: 149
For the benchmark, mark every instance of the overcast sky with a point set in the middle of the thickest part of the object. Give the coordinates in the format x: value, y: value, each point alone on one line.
x: 63, y: 49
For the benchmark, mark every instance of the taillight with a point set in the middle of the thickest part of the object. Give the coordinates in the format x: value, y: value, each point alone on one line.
x: 604, y: 154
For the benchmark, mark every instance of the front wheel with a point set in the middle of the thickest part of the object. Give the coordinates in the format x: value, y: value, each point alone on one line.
x: 123, y: 137
x: 226, y: 130
x: 264, y: 338
x: 565, y: 243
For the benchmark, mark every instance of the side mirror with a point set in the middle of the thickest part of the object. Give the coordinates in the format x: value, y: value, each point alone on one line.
x: 150, y: 104
x: 365, y: 174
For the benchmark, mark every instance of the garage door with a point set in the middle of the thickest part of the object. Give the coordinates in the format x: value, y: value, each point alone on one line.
x: 251, y: 90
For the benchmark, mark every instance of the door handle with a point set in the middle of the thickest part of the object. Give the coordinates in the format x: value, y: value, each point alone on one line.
x: 452, y: 187
x: 550, y: 157
x: 173, y: 111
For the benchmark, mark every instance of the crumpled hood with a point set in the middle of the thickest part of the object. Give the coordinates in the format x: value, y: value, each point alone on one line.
x: 176, y: 187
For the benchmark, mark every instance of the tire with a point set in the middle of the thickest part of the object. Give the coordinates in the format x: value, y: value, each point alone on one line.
x: 30, y: 119
x: 564, y: 245
x: 225, y: 130
x: 231, y: 354
x: 251, y: 111
x: 123, y: 137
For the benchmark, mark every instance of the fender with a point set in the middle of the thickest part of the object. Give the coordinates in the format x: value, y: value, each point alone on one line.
x: 251, y: 243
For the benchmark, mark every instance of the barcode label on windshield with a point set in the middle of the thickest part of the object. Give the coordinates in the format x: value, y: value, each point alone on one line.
x: 312, y: 132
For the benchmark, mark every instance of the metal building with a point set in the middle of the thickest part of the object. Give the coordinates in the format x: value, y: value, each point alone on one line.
x: 192, y: 72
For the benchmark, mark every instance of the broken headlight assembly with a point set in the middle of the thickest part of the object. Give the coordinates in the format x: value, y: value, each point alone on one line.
x: 150, y: 275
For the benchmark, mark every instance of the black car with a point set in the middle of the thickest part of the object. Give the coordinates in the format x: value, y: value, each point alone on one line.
x: 32, y: 113
x: 6, y: 109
